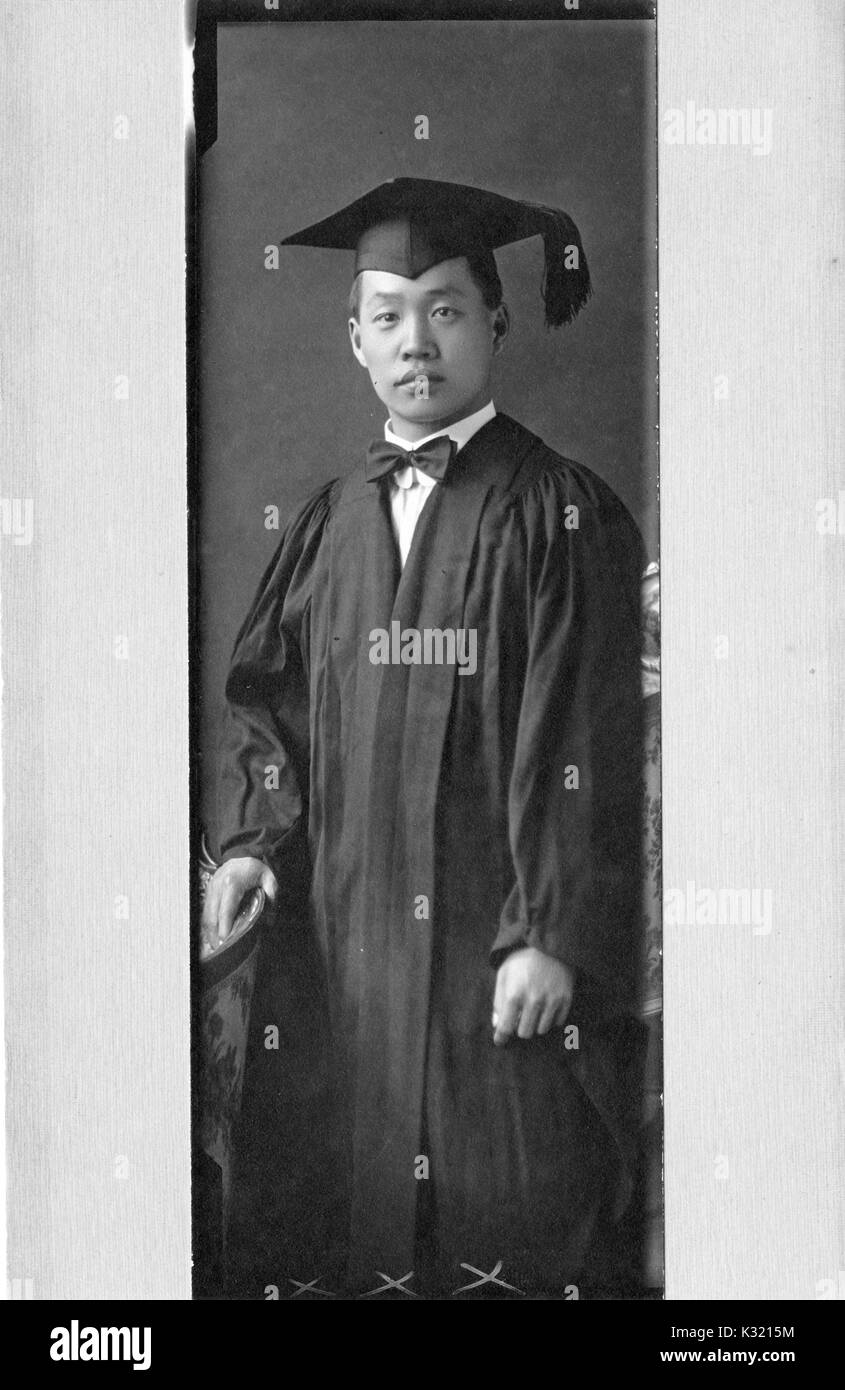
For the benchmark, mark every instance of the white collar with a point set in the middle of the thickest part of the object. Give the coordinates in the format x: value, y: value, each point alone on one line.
x: 462, y: 430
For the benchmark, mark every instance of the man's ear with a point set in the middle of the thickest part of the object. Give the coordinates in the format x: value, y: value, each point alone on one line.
x: 355, y: 339
x: 501, y: 327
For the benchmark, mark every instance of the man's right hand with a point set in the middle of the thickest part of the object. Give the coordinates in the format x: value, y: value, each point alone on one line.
x: 227, y: 890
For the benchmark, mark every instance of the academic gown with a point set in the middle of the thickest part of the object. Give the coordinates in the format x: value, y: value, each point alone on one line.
x: 449, y: 818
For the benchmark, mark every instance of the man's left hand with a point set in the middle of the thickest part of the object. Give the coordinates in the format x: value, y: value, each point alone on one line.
x: 533, y: 994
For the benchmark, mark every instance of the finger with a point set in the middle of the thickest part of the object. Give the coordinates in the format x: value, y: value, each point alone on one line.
x: 499, y: 993
x: 208, y: 933
x: 270, y: 884
x: 230, y: 901
x: 508, y: 1020
x: 208, y: 925
x: 562, y: 1012
x: 547, y: 1019
x: 529, y: 1019
x: 209, y: 907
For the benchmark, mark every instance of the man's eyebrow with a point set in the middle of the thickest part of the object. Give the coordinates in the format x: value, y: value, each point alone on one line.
x: 446, y: 289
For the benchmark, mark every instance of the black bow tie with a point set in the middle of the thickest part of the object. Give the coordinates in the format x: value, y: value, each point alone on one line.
x: 433, y: 457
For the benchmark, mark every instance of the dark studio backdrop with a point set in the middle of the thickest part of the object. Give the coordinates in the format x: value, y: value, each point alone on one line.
x: 310, y: 116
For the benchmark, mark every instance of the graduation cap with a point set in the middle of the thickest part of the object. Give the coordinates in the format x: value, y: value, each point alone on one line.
x: 406, y: 226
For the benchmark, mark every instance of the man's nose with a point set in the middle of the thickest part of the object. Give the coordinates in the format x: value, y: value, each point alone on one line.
x: 418, y: 339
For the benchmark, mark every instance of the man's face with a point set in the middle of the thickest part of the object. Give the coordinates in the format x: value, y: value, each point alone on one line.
x: 428, y: 344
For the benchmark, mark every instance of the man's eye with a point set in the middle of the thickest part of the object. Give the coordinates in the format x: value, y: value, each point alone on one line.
x: 446, y: 310
x: 383, y: 318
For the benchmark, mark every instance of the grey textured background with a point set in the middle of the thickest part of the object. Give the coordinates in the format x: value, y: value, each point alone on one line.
x: 751, y: 289
x: 310, y: 117
x: 95, y: 757
x: 95, y: 747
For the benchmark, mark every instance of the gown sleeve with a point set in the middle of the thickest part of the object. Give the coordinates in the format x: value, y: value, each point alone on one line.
x: 574, y: 794
x: 264, y: 745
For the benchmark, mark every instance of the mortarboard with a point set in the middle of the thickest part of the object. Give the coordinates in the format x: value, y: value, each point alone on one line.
x: 406, y: 226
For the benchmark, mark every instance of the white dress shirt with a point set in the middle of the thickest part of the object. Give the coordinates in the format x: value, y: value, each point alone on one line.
x: 410, y: 488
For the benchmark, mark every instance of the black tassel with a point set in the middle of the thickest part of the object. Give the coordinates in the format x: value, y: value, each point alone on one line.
x: 566, y: 288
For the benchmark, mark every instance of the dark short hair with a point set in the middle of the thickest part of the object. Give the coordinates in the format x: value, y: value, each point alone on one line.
x: 482, y: 267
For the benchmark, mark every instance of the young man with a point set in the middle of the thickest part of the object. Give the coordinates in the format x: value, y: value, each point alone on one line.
x: 442, y: 662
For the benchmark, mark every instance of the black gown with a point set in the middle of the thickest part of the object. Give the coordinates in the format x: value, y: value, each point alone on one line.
x: 442, y: 829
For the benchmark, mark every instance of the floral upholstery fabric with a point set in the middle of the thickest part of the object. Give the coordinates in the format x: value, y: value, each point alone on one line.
x: 225, y: 1003
x: 652, y: 963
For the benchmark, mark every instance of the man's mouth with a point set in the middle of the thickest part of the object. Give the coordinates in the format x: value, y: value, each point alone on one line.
x: 410, y: 377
